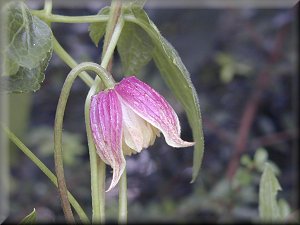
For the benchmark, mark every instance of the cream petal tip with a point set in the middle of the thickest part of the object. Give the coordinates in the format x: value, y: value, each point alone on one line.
x: 179, y: 143
x: 117, y: 173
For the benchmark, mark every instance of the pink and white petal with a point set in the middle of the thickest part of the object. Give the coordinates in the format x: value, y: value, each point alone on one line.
x: 106, y: 126
x: 153, y: 108
x: 137, y: 132
x: 133, y: 128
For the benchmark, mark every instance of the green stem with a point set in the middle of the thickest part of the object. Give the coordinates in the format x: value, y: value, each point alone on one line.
x: 82, y: 215
x: 77, y: 19
x: 96, y: 198
x: 123, y: 198
x: 48, y: 10
x: 112, y: 43
x: 101, y: 183
x: 58, y: 49
x: 58, y: 158
x: 69, y: 19
x: 48, y: 7
x: 98, y: 175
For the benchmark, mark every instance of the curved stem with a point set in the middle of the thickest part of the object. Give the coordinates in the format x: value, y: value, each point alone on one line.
x: 58, y: 158
x: 123, y: 199
x: 82, y: 215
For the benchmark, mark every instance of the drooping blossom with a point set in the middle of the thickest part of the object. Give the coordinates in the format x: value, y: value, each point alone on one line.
x: 127, y: 119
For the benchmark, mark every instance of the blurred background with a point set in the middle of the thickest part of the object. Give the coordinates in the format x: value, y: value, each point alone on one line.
x: 243, y: 63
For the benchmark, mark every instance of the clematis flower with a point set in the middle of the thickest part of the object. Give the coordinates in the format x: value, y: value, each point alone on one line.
x: 127, y: 119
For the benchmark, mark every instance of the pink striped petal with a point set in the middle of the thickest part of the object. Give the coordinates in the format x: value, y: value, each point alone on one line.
x: 106, y: 126
x: 153, y: 108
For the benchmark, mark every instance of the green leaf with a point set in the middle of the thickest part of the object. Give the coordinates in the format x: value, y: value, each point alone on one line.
x: 135, y: 48
x: 97, y: 30
x: 30, y: 218
x: 178, y: 79
x: 269, y: 186
x: 28, y: 37
x: 26, y: 80
x: 28, y: 50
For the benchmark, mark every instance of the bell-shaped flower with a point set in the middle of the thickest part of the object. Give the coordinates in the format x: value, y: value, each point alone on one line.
x: 127, y: 119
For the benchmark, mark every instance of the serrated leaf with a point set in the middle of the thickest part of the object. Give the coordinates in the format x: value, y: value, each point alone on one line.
x: 268, y: 188
x: 135, y: 48
x: 28, y: 38
x: 28, y: 49
x: 97, y: 30
x: 26, y: 80
x: 30, y: 218
x: 178, y: 79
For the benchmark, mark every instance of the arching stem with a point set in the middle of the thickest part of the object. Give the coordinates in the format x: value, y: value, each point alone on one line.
x: 58, y: 158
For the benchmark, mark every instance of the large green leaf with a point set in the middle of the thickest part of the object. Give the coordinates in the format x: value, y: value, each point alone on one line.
x: 27, y: 51
x: 30, y: 218
x: 28, y: 37
x: 135, y: 48
x: 97, y: 30
x: 177, y: 78
x: 269, y: 186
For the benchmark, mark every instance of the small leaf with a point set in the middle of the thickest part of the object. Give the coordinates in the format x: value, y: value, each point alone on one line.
x: 178, y: 79
x: 29, y: 38
x: 135, y: 48
x: 97, y: 30
x: 30, y: 218
x: 269, y: 186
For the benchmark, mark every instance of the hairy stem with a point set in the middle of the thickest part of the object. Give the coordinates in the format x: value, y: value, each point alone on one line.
x: 58, y: 158
x: 82, y: 215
